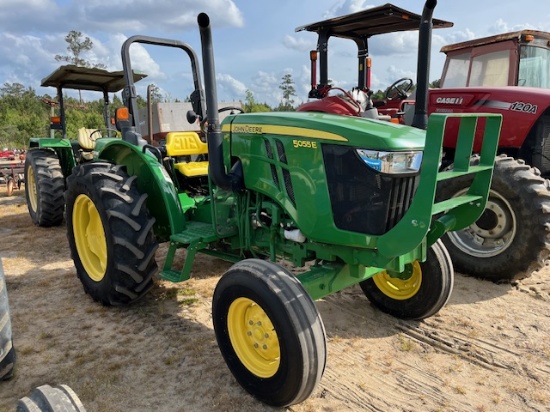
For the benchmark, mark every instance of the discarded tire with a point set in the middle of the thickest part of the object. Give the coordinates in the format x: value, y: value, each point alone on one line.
x: 7, y: 351
x: 51, y: 399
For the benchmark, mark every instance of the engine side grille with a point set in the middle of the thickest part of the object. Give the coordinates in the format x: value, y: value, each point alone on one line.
x: 286, y: 174
x: 269, y: 152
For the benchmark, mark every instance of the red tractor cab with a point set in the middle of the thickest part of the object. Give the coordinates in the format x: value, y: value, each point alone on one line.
x: 508, y: 74
x: 360, y: 27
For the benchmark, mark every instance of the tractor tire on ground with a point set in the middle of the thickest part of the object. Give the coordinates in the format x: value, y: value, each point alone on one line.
x: 7, y: 351
x: 269, y: 332
x: 512, y: 237
x: 110, y: 233
x: 426, y: 290
x: 51, y: 399
x: 44, y: 187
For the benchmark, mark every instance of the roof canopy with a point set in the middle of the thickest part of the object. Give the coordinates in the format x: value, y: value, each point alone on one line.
x: 87, y: 78
x: 377, y: 20
x: 497, y: 38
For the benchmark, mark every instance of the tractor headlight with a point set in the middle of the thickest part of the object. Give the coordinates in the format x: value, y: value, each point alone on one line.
x: 392, y: 162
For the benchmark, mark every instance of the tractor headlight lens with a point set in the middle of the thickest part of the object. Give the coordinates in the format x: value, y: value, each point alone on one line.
x: 392, y: 162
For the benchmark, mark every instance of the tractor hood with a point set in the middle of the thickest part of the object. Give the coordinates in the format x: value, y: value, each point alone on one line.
x: 328, y: 128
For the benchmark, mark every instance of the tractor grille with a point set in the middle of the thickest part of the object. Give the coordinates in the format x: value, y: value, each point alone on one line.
x: 286, y: 174
x: 269, y: 152
x: 362, y: 199
x: 282, y: 160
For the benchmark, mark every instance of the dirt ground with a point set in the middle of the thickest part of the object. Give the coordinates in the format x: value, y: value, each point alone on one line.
x: 487, y: 350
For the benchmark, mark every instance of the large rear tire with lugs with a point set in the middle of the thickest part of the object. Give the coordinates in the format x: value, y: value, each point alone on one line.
x: 7, y: 351
x: 419, y: 292
x: 110, y: 233
x: 46, y: 398
x: 512, y: 237
x: 44, y: 187
x: 269, y: 332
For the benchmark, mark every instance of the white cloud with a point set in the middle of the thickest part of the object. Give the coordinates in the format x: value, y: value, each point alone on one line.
x: 113, y: 16
x: 170, y: 15
x: 229, y: 88
x: 500, y: 26
x: 343, y: 7
x: 403, y: 43
x: 299, y: 44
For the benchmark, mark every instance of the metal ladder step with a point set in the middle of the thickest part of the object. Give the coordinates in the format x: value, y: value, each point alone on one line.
x: 195, y: 232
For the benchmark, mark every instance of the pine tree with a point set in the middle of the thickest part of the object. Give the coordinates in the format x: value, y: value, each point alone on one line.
x: 287, y: 86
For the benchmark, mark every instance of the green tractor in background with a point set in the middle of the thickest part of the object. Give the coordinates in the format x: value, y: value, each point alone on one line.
x: 50, y: 160
x: 346, y: 200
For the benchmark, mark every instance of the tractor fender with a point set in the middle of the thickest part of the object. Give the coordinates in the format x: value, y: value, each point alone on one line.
x: 162, y: 202
x: 65, y: 150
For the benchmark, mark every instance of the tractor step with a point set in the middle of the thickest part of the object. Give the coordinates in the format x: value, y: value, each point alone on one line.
x: 195, y: 232
x: 196, y: 236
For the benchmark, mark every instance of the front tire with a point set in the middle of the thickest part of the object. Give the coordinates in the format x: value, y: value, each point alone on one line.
x: 425, y: 290
x: 7, y: 350
x: 44, y: 187
x: 110, y: 233
x: 510, y: 240
x: 269, y: 332
x: 46, y: 398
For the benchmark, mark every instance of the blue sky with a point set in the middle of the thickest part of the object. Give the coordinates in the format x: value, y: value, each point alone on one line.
x: 255, y: 43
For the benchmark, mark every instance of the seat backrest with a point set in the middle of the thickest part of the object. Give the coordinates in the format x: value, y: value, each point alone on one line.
x: 84, y: 139
x: 184, y: 144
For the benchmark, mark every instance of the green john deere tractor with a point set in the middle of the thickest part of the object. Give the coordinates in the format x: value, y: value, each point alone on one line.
x: 50, y: 160
x: 346, y: 200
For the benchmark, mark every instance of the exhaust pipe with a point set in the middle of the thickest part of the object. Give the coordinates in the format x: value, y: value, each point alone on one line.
x: 420, y: 119
x: 233, y: 180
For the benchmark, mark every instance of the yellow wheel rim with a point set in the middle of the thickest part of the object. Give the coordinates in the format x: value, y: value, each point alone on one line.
x: 400, y: 289
x: 31, y: 188
x: 89, y: 237
x: 253, y: 338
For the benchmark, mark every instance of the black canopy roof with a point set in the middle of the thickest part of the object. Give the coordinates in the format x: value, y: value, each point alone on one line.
x: 377, y: 20
x: 87, y: 78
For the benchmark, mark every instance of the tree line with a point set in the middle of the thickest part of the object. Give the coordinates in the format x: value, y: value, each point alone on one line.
x: 24, y: 114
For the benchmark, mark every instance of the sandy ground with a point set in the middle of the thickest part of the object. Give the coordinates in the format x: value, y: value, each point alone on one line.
x: 487, y: 350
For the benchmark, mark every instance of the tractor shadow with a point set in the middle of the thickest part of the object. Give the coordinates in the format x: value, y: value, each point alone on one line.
x: 349, y: 313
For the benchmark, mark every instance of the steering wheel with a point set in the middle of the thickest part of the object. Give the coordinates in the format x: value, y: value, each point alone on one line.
x: 100, y: 132
x: 224, y: 109
x: 399, y: 89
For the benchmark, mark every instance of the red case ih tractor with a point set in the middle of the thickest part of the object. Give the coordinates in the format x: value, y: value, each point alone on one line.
x: 511, y: 238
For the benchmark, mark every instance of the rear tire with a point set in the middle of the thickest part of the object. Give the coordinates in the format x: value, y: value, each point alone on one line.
x: 48, y: 399
x: 422, y: 295
x: 511, y: 239
x: 110, y: 233
x: 44, y: 187
x: 269, y: 332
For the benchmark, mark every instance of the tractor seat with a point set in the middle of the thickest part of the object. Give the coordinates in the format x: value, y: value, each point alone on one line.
x: 84, y: 140
x: 180, y: 144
